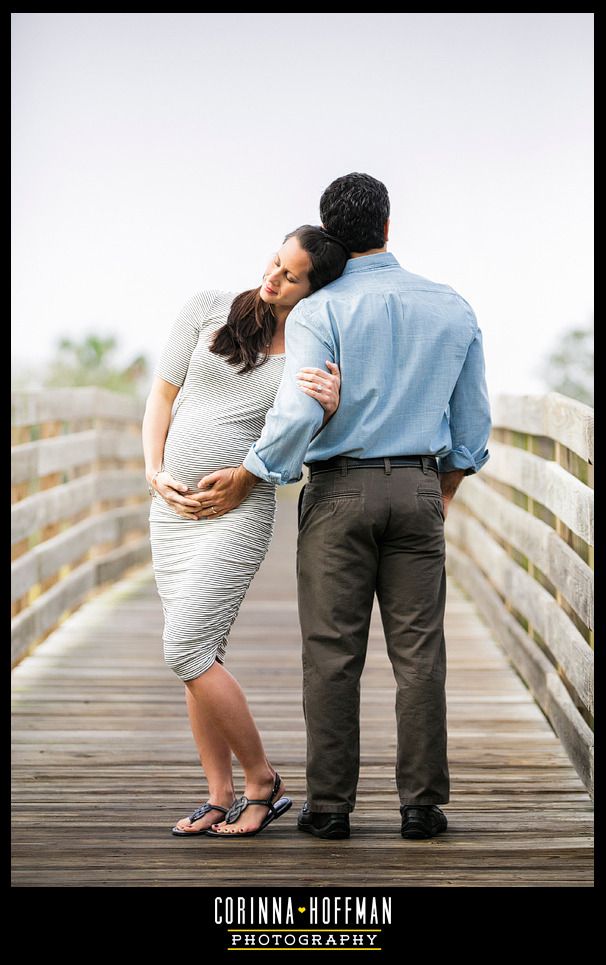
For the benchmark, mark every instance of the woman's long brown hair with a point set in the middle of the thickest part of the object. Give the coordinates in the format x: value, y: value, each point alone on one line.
x: 247, y: 335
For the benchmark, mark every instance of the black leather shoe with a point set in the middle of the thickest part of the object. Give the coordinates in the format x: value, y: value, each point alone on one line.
x: 422, y: 820
x: 323, y: 824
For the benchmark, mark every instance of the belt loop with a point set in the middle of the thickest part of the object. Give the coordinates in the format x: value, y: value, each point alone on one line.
x: 387, y: 466
x: 424, y: 464
x: 344, y: 465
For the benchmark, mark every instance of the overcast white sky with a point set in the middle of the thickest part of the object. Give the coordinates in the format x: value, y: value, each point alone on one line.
x: 157, y: 154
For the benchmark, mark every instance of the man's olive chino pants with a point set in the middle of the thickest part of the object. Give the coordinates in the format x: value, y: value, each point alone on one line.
x: 364, y: 531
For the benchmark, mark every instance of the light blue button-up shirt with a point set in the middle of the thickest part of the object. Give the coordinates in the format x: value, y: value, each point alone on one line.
x: 412, y: 375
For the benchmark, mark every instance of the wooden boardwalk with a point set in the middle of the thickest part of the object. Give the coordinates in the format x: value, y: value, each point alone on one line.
x: 104, y: 762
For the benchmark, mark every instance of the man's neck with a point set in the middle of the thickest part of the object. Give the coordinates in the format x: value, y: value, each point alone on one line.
x: 371, y: 251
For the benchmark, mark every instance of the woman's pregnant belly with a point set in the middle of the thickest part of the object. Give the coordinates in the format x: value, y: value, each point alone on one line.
x: 194, y: 448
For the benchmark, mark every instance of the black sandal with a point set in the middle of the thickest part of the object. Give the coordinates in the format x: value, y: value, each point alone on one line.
x: 240, y: 805
x: 195, y: 816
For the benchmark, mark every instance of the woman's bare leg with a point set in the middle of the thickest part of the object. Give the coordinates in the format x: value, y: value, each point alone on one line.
x: 216, y: 760
x: 227, y: 713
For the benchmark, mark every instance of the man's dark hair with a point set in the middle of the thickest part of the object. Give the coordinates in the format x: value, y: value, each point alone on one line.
x: 355, y: 209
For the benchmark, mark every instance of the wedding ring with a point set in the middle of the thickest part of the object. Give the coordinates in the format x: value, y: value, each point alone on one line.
x: 213, y: 510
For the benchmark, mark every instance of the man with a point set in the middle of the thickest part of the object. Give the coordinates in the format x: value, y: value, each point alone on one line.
x: 413, y: 419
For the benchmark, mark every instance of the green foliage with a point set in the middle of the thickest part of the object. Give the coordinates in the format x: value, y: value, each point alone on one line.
x: 569, y: 367
x: 91, y: 362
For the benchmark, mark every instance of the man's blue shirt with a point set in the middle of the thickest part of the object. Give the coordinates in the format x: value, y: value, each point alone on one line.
x: 412, y: 375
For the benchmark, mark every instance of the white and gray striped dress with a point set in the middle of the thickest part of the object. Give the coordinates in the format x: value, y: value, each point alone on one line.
x: 203, y: 567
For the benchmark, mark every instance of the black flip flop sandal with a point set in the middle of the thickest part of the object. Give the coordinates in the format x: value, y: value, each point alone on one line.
x: 195, y: 816
x: 240, y: 805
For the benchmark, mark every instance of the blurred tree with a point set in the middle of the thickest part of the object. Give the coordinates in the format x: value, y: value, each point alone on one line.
x: 569, y: 366
x: 90, y: 362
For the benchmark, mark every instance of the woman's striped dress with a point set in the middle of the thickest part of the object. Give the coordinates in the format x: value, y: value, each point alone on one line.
x: 204, y: 567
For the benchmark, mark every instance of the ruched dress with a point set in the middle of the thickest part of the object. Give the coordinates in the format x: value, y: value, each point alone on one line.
x: 203, y: 567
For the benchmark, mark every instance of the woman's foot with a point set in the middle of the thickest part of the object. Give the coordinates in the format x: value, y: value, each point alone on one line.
x: 253, y: 816
x: 207, y: 820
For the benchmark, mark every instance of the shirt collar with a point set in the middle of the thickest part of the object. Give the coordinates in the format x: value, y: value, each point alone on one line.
x: 382, y: 259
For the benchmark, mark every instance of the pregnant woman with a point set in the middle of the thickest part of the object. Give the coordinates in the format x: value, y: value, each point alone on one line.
x: 226, y: 353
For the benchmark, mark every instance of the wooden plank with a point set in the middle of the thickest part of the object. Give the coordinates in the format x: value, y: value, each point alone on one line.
x: 35, y: 408
x: 535, y: 539
x: 557, y: 416
x: 546, y: 482
x: 564, y: 641
x: 62, y: 453
x: 54, y: 455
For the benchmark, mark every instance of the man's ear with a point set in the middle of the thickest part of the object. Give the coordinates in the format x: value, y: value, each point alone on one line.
x: 386, y: 230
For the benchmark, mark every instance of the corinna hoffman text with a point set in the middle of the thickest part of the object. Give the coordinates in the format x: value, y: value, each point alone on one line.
x: 336, y: 911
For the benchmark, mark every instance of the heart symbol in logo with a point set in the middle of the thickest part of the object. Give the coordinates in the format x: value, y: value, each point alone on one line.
x: 301, y: 910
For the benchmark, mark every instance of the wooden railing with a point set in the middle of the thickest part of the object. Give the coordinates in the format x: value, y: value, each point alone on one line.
x: 520, y: 542
x: 80, y: 503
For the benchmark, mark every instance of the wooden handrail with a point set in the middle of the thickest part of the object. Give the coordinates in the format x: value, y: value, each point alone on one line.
x: 80, y: 503
x: 520, y: 541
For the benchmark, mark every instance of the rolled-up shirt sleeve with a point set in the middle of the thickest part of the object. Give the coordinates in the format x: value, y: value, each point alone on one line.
x: 295, y: 417
x: 470, y: 420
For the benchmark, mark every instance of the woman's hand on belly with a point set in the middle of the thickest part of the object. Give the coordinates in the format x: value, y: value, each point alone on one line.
x: 224, y: 490
x: 176, y: 495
